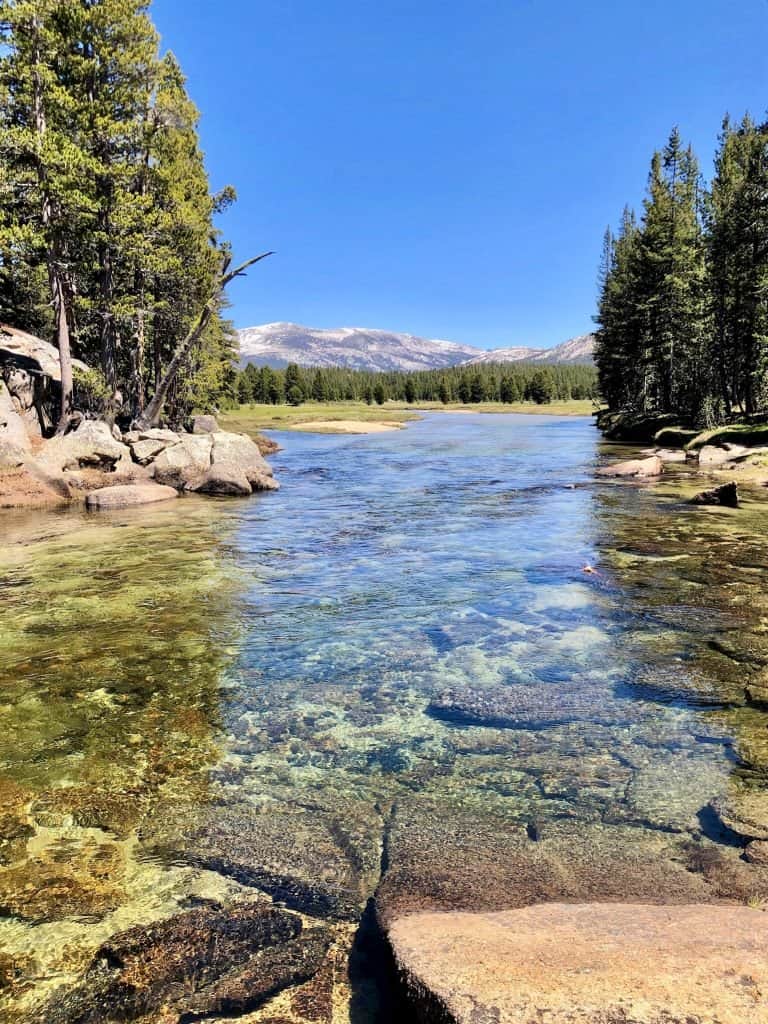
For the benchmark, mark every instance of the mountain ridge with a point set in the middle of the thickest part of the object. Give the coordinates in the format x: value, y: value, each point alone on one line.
x: 363, y: 348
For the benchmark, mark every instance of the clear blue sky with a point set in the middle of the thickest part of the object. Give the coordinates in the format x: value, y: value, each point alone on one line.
x: 448, y: 168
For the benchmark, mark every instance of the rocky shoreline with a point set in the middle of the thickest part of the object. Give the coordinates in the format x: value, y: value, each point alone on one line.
x: 714, y: 456
x: 97, y: 462
x: 107, y: 469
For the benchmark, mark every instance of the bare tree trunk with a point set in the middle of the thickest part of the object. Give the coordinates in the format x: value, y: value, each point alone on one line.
x: 53, y: 255
x: 58, y: 289
x: 139, y: 344
x: 108, y: 340
x: 151, y: 414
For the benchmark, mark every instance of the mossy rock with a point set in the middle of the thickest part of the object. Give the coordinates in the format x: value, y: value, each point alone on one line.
x: 634, y: 429
x: 751, y: 435
x: 55, y: 887
x: 674, y: 437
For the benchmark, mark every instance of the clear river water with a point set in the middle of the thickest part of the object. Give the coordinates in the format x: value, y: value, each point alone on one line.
x: 446, y: 664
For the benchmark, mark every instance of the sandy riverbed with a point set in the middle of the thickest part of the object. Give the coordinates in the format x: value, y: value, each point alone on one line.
x: 348, y: 426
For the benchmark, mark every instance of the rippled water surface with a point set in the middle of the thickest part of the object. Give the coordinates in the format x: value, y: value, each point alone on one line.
x: 393, y: 674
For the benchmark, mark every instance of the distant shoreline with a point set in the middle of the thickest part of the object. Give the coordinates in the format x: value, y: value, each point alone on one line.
x: 360, y: 418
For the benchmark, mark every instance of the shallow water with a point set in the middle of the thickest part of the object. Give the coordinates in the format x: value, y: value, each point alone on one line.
x: 307, y: 656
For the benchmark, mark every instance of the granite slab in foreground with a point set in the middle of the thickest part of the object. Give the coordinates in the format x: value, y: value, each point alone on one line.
x: 606, y: 963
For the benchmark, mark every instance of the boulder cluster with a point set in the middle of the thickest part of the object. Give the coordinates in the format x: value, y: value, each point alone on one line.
x: 97, y: 462
x: 109, y: 469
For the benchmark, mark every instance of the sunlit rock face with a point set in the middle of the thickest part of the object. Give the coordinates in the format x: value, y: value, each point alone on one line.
x: 576, y: 964
x: 391, y: 689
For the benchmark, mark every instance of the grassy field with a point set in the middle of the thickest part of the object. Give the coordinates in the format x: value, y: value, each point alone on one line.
x: 250, y: 418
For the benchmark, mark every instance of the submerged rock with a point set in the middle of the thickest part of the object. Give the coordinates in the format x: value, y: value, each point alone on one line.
x: 442, y: 855
x: 651, y: 466
x: 726, y: 495
x: 15, y: 825
x: 87, y: 807
x: 308, y: 862
x: 50, y: 887
x: 198, y: 964
x: 523, y: 707
x: 744, y: 810
x: 578, y: 964
x: 674, y: 683
x: 127, y: 495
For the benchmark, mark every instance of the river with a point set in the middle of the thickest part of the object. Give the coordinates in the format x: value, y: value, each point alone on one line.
x: 446, y: 663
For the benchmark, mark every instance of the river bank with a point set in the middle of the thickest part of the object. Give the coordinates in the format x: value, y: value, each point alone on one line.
x: 292, y: 721
x: 336, y: 416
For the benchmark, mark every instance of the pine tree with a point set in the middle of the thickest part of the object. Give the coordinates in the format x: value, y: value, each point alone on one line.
x: 509, y: 390
x: 738, y: 267
x: 46, y: 211
x: 294, y: 379
x: 621, y: 361
x: 671, y: 282
x: 106, y: 233
x: 541, y: 388
x: 113, y: 70
x: 319, y: 387
x: 477, y: 389
x: 182, y: 260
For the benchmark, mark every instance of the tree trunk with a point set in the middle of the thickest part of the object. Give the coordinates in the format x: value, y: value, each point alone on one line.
x: 108, y: 341
x: 53, y: 255
x: 58, y: 289
x: 139, y: 343
x: 151, y: 414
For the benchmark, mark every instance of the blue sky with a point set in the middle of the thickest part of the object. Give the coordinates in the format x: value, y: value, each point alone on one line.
x: 448, y: 168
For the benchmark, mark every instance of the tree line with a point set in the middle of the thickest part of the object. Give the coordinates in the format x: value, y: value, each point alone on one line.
x: 484, y: 382
x: 108, y: 243
x: 683, y: 307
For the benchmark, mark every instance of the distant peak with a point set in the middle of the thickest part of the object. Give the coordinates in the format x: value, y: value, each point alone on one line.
x: 370, y: 348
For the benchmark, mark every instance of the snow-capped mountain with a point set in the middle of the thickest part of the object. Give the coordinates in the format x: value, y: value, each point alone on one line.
x: 361, y: 348
x: 575, y: 350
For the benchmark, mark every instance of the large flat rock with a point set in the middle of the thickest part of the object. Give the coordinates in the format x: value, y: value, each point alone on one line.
x: 128, y: 495
x: 25, y: 351
x: 604, y: 963
x: 652, y: 466
x: 323, y: 868
x: 443, y: 856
